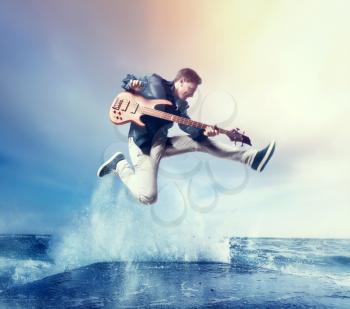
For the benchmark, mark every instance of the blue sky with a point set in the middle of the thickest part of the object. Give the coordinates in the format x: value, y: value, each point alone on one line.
x: 49, y: 149
x: 61, y: 65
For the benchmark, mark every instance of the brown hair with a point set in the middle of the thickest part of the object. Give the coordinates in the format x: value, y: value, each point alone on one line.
x: 189, y: 75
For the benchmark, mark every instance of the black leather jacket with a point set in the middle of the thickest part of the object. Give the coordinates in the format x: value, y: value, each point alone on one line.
x: 156, y: 87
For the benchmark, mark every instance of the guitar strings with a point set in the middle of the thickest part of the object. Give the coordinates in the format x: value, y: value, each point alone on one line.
x: 174, y: 118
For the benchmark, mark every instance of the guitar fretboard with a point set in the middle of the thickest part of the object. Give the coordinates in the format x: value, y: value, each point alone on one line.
x: 177, y: 119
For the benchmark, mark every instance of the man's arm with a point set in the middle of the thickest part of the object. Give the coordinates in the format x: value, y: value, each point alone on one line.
x: 131, y: 82
x: 195, y: 132
x: 149, y: 86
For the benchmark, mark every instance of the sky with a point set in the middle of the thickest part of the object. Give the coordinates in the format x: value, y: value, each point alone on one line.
x: 281, y: 68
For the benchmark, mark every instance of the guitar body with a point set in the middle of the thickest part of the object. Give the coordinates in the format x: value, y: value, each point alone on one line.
x: 129, y: 107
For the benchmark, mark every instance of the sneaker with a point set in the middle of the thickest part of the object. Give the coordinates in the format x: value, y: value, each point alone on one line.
x: 110, y: 165
x: 263, y: 156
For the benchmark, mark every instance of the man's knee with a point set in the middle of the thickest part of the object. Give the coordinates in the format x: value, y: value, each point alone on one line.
x: 149, y: 198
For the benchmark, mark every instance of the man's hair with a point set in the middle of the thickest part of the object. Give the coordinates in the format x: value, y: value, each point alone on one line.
x: 189, y: 75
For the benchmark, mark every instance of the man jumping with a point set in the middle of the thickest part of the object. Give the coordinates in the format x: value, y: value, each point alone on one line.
x: 149, y: 144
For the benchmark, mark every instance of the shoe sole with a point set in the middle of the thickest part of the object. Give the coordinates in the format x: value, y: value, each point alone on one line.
x: 106, y: 163
x: 267, y: 156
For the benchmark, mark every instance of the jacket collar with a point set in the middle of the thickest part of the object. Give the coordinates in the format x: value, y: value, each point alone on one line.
x: 180, y: 104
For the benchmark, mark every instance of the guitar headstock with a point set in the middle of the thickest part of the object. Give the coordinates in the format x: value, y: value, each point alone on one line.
x: 235, y: 136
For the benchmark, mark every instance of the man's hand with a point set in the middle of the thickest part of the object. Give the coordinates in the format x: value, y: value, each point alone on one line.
x: 211, y: 131
x: 136, y: 85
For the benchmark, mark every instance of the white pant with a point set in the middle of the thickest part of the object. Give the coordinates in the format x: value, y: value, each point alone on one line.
x: 141, y: 180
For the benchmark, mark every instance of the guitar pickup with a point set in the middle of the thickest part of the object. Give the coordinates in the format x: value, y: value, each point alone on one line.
x: 134, y: 112
x: 126, y: 107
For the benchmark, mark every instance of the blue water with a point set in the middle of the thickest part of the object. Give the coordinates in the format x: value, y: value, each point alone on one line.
x: 261, y: 273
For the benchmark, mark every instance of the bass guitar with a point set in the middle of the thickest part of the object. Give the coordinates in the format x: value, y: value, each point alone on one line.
x: 129, y: 107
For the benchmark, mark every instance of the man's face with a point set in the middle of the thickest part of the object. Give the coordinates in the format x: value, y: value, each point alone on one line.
x: 186, y: 89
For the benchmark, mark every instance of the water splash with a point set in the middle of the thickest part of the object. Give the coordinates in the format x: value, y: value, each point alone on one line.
x: 116, y: 228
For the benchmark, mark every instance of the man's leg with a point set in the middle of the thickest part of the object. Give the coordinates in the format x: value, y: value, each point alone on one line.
x: 141, y: 180
x: 183, y: 144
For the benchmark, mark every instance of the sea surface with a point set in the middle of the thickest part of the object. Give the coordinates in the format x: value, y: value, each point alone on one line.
x: 261, y: 273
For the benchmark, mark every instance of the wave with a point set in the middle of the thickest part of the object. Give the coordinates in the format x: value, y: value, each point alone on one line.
x: 337, y: 260
x: 23, y: 247
x: 115, y: 228
x: 311, y: 258
x: 14, y: 271
x: 247, y: 256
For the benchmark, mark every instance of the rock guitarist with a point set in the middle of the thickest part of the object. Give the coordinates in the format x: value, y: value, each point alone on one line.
x: 149, y: 144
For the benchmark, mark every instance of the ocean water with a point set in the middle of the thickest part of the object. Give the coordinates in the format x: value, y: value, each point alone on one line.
x: 261, y: 273
x: 117, y: 254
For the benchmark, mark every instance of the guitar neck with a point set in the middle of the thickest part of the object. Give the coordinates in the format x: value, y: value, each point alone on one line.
x: 177, y: 119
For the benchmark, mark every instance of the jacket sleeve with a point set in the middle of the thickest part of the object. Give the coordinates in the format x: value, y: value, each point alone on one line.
x: 129, y: 77
x: 195, y: 133
x: 152, y: 86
